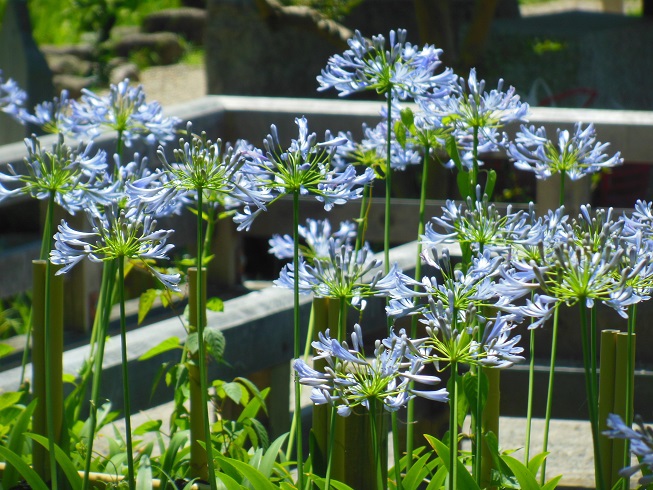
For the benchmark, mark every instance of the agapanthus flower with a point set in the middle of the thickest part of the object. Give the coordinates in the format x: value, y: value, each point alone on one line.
x: 123, y: 110
x: 141, y: 184
x: 365, y: 153
x: 116, y: 235
x: 74, y: 177
x: 470, y: 106
x: 346, y: 273
x: 476, y: 115
x: 401, y: 156
x: 636, y: 236
x: 316, y: 236
x: 463, y: 292
x: 350, y: 380
x: 574, y: 155
x: 588, y: 269
x: 12, y: 97
x: 53, y: 116
x: 477, y: 223
x: 641, y: 444
x: 400, y: 71
x: 215, y: 169
x: 422, y: 130
x: 452, y: 337
x: 303, y: 168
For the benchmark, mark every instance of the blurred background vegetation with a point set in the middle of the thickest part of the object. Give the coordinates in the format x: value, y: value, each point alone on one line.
x: 65, y: 21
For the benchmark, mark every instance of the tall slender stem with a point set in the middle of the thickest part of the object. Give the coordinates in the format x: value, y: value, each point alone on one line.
x: 549, y: 392
x: 630, y: 388
x: 49, y: 400
x: 125, y: 375
x: 366, y: 202
x: 46, y: 241
x: 103, y: 315
x: 410, y: 410
x: 453, y: 427
x: 375, y: 421
x: 201, y: 348
x: 388, y: 188
x: 297, y: 433
x: 563, y: 178
x: 529, y: 408
x: 591, y: 394
x: 474, y: 176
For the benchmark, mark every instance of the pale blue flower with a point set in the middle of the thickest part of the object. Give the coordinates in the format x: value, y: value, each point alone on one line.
x: 12, y: 97
x: 124, y: 110
x: 471, y: 108
x: 574, y: 155
x: 499, y: 349
x: 215, y: 168
x: 116, y: 234
x: 345, y: 273
x: 400, y: 70
x: 351, y: 380
x: 52, y: 116
x: 641, y: 444
x: 477, y: 223
x: 316, y: 235
x: 74, y: 177
x: 152, y: 187
x: 401, y: 156
x: 304, y: 168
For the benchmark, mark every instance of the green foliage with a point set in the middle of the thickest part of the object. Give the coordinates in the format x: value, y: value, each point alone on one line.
x: 465, y: 480
x: 237, y: 429
x: 333, y: 9
x: 22, y: 468
x: 148, y: 298
x: 15, y: 444
x: 14, y: 316
x: 64, y: 21
x: 64, y: 462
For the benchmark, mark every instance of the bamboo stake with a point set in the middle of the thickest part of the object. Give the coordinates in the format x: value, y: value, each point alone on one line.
x: 40, y: 454
x: 606, y: 395
x: 620, y: 376
x: 198, y: 454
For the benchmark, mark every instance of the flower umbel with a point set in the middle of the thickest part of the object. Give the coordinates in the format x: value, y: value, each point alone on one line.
x: 575, y: 155
x: 124, y: 110
x: 400, y: 71
x: 75, y: 177
x: 641, y: 444
x: 351, y: 380
x: 304, y: 168
x: 117, y: 234
x: 12, y: 97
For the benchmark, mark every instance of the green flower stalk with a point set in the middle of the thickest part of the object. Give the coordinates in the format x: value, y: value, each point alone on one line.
x: 64, y: 176
x: 301, y: 169
x: 212, y: 172
x: 117, y: 235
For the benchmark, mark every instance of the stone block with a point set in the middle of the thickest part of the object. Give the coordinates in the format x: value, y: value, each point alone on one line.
x: 248, y: 55
x: 190, y: 23
x: 21, y: 60
x: 165, y: 48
